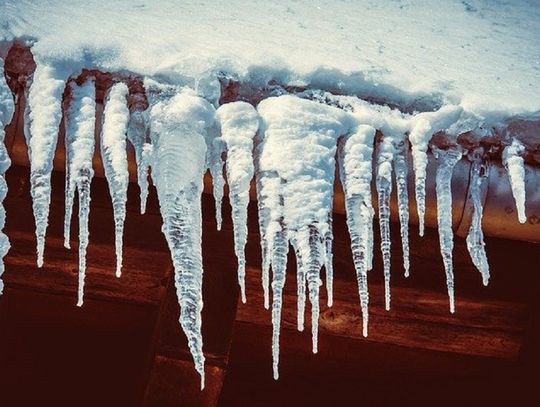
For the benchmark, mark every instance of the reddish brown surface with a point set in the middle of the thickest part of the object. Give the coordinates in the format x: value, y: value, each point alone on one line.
x: 125, y: 348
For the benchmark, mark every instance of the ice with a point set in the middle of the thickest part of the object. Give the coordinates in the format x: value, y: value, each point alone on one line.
x: 447, y: 159
x: 401, y: 169
x: 383, y: 183
x: 79, y: 122
x: 514, y: 164
x: 475, y: 237
x: 179, y: 126
x: 239, y: 123
x: 423, y: 126
x: 7, y: 109
x: 295, y: 193
x: 43, y: 116
x: 137, y: 134
x: 355, y: 153
x: 114, y: 156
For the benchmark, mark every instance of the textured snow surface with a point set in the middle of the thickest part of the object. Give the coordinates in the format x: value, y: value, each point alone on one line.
x: 482, y: 54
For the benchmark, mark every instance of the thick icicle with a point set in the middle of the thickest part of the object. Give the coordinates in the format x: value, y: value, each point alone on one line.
x: 355, y: 153
x: 137, y: 134
x: 114, y: 156
x: 295, y: 192
x: 447, y: 159
x: 179, y: 126
x: 43, y: 116
x: 401, y: 169
x: 383, y: 183
x: 423, y: 126
x: 7, y: 109
x: 514, y: 164
x: 239, y: 123
x: 80, y: 143
x: 475, y: 237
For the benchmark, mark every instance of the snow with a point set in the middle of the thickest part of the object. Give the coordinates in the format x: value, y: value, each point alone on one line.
x: 480, y: 54
x: 80, y: 143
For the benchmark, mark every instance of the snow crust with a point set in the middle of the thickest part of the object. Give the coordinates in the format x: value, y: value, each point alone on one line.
x: 480, y: 54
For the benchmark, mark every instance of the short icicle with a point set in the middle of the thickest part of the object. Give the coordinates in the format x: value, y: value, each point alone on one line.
x: 447, y: 159
x: 401, y: 170
x: 355, y: 153
x: 137, y: 134
x: 179, y: 126
x: 114, y: 156
x: 514, y: 164
x: 42, y: 121
x: 475, y: 237
x: 7, y: 108
x: 80, y: 143
x: 239, y: 123
x: 383, y: 181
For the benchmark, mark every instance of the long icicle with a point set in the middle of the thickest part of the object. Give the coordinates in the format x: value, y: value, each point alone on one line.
x: 401, y: 170
x: 475, y: 237
x: 179, y: 126
x: 514, y: 164
x: 447, y: 159
x: 80, y: 143
x: 43, y: 116
x: 384, y: 190
x: 239, y: 123
x: 355, y: 156
x: 114, y: 156
x: 7, y: 108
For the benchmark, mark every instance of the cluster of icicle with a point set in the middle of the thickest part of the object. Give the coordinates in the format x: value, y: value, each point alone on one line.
x: 290, y: 143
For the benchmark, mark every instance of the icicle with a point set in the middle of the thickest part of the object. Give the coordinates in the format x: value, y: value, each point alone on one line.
x: 384, y: 190
x: 43, y: 116
x: 514, y: 164
x: 7, y: 109
x: 475, y: 237
x: 114, y: 156
x: 80, y: 141
x: 328, y: 264
x: 423, y: 126
x: 239, y: 123
x: 300, y: 287
x: 295, y: 188
x: 355, y: 156
x: 401, y: 169
x: 447, y: 159
x: 137, y: 134
x: 179, y: 126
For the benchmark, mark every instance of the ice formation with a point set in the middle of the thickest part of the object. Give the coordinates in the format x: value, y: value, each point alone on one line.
x: 137, y: 134
x: 239, y: 123
x: 43, y: 116
x: 514, y: 165
x: 296, y: 189
x: 475, y: 237
x: 180, y: 125
x: 114, y: 156
x: 80, y: 142
x: 291, y: 143
x: 447, y: 159
x: 7, y: 109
